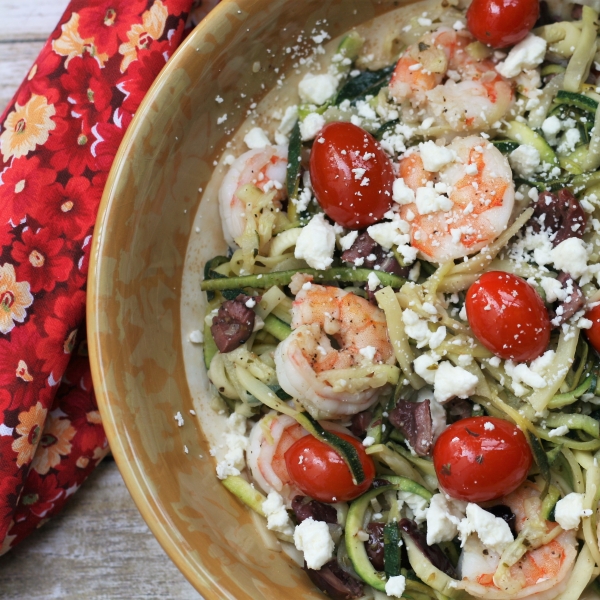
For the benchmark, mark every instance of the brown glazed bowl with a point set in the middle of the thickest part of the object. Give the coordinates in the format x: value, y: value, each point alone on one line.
x: 137, y: 293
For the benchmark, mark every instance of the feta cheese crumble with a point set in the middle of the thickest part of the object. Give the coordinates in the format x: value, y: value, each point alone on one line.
x: 277, y: 516
x: 435, y: 157
x: 451, y: 382
x: 313, y: 538
x: 317, y: 89
x: 569, y: 511
x: 527, y: 54
x: 395, y: 586
x: 493, y: 532
x: 525, y: 160
x: 443, y: 517
x: 236, y: 442
x: 316, y: 243
x: 256, y: 138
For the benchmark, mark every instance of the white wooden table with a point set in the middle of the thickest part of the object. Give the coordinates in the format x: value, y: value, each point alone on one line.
x: 99, y: 547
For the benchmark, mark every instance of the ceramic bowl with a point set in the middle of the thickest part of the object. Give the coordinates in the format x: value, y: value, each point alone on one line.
x: 141, y: 308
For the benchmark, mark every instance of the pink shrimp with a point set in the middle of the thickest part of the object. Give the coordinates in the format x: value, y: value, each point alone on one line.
x: 480, y: 186
x: 439, y: 78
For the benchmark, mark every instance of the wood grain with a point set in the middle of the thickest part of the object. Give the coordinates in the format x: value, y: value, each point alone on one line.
x: 99, y: 547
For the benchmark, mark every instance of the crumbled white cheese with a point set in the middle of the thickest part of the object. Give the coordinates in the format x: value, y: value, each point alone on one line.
x: 571, y: 138
x: 390, y: 233
x: 489, y: 426
x: 553, y: 289
x: 256, y: 138
x: 451, y: 382
x: 437, y: 337
x: 313, y: 538
x: 368, y: 352
x: 527, y: 54
x: 311, y: 125
x: 236, y: 442
x: 179, y: 419
x: 435, y: 157
x: 425, y: 366
x: 428, y: 200
x: 559, y: 431
x: 522, y: 373
x: 416, y: 327
x: 316, y: 243
x: 525, y: 160
x: 417, y: 504
x: 288, y: 120
x: 493, y: 531
x: 368, y: 441
x: 401, y: 193
x: 196, y: 336
x: 443, y: 517
x: 571, y: 257
x: 551, y: 126
x: 569, y: 510
x: 348, y: 240
x: 317, y: 89
x: 277, y: 516
x: 373, y: 282
x: 395, y: 586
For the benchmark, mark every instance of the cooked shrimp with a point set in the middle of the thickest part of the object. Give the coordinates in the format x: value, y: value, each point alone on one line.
x: 440, y: 79
x: 541, y: 574
x: 307, y: 357
x: 268, y: 442
x: 481, y: 190
x: 264, y: 167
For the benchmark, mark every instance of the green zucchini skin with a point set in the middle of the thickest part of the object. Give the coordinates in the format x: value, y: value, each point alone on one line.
x: 430, y: 575
x: 578, y: 100
x: 335, y: 275
x: 391, y: 549
x: 345, y: 449
x: 354, y: 522
x: 519, y: 132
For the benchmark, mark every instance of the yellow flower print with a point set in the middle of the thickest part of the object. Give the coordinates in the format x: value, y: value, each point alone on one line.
x: 29, y: 428
x: 139, y: 36
x: 27, y: 126
x: 14, y: 298
x: 71, y: 44
x: 54, y: 443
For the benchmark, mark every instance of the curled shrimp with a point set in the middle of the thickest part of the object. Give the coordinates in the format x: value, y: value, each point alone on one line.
x: 264, y: 167
x: 268, y: 441
x: 307, y: 361
x: 480, y: 187
x: 439, y: 79
x: 541, y: 573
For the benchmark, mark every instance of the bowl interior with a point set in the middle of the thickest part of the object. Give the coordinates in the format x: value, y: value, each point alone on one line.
x: 141, y: 308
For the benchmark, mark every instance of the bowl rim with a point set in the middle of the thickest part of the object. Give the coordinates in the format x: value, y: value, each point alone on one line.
x: 196, y: 574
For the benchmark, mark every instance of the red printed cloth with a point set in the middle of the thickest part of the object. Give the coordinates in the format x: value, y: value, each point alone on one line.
x: 58, y: 138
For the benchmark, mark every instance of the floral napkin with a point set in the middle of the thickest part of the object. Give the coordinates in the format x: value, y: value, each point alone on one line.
x: 58, y: 138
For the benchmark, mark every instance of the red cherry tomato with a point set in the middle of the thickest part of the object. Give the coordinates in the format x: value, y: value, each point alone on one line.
x: 501, y: 23
x: 351, y: 197
x: 321, y: 473
x: 593, y: 334
x: 508, y: 316
x: 481, y: 459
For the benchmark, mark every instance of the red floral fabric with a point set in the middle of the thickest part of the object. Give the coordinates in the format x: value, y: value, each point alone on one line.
x: 58, y: 139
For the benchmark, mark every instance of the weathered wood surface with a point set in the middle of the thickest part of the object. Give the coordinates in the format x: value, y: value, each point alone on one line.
x: 99, y: 547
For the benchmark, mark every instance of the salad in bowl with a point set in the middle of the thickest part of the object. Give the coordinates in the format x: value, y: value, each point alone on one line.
x: 402, y: 337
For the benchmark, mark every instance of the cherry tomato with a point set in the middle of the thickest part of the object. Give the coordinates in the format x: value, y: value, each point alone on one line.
x: 481, y: 459
x: 501, y: 23
x: 508, y: 316
x: 321, y: 473
x: 351, y: 175
x: 593, y: 334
